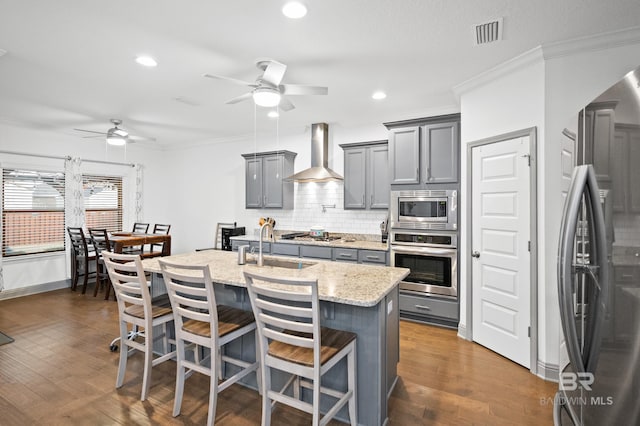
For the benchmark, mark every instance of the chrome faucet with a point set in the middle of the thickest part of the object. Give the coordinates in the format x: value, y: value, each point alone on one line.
x: 260, y: 261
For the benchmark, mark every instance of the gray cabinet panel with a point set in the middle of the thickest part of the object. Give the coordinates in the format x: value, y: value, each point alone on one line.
x: 428, y: 306
x: 440, y: 153
x: 378, y: 177
x: 404, y: 155
x: 264, y: 180
x: 634, y: 170
x: 273, y: 169
x: 345, y: 255
x: 354, y: 178
x: 366, y: 175
x: 285, y: 249
x: 316, y: 252
x: 372, y: 256
x: 255, y: 245
x: 253, y: 179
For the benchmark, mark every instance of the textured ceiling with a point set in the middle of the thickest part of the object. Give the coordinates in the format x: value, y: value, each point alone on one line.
x: 70, y: 63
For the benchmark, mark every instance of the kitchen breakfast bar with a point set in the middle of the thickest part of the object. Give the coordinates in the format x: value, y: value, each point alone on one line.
x: 362, y: 299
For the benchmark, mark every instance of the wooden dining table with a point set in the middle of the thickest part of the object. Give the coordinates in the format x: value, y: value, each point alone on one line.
x: 128, y: 239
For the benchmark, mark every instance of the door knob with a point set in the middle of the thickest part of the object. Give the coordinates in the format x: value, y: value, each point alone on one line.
x: 475, y: 254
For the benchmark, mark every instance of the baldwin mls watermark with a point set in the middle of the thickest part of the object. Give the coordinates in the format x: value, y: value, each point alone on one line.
x: 578, y: 381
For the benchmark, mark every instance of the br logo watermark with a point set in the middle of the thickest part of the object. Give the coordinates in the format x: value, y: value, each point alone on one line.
x: 571, y: 381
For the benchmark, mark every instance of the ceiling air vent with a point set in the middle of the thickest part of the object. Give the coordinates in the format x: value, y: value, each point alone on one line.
x: 487, y: 32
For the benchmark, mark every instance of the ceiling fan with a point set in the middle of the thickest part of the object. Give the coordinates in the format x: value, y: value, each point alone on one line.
x: 267, y: 90
x: 116, y: 135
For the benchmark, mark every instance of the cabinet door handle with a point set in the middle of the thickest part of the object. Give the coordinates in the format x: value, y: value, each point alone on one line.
x: 371, y: 200
x: 363, y: 199
x: 424, y: 308
x: 373, y: 257
x: 264, y: 200
x: 345, y: 255
x: 428, y: 173
x: 627, y: 276
x: 418, y: 173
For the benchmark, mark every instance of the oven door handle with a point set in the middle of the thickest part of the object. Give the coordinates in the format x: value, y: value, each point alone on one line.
x: 433, y: 251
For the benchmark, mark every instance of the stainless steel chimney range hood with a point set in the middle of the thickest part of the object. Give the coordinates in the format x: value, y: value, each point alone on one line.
x: 319, y: 170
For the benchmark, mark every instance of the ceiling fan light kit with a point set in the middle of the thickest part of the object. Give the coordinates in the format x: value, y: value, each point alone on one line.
x: 294, y: 10
x: 267, y: 91
x: 266, y: 97
x: 116, y: 140
x: 147, y: 61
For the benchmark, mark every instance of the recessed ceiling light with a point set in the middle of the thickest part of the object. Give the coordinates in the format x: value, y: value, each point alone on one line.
x: 273, y: 114
x: 147, y: 61
x: 379, y: 95
x: 294, y: 10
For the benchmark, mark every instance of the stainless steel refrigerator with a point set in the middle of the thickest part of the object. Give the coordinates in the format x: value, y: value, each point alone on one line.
x: 599, y: 265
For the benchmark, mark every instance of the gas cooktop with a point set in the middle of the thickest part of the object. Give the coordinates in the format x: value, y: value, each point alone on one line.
x: 305, y: 236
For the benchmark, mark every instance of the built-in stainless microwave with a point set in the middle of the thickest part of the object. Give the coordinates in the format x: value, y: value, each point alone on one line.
x: 424, y: 209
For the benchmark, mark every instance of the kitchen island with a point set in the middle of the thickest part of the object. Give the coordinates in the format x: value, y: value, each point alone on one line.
x: 362, y: 299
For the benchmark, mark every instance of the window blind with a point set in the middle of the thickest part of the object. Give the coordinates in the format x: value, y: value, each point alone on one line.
x: 103, y: 202
x: 32, y: 212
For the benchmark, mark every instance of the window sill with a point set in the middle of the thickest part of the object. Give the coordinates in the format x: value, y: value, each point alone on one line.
x: 30, y: 257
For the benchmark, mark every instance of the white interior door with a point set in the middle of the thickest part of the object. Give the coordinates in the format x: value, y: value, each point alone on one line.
x: 500, y: 248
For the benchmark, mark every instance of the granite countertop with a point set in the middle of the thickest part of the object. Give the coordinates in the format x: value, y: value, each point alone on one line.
x: 342, y: 242
x: 348, y: 283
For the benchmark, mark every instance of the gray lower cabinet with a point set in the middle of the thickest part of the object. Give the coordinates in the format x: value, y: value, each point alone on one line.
x: 438, y: 310
x: 373, y: 256
x: 337, y: 254
x: 316, y: 252
x: 285, y: 249
x: 424, y: 151
x: 366, y: 175
x: 345, y: 255
x: 265, y: 186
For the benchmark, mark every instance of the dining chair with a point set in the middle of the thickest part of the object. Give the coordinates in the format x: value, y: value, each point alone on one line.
x: 293, y: 341
x: 100, y: 242
x: 200, y: 322
x: 157, y: 249
x: 138, y: 228
x: 136, y: 309
x: 81, y: 255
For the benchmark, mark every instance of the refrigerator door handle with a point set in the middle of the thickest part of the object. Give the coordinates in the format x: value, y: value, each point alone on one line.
x: 568, y: 227
x: 601, y: 263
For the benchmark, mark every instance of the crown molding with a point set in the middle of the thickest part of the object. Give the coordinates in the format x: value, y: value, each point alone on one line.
x: 549, y: 51
x: 519, y: 62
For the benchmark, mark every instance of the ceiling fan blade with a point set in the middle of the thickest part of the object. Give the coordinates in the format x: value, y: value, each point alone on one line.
x: 91, y: 131
x: 93, y: 137
x: 286, y: 105
x: 240, y: 98
x: 274, y: 73
x: 133, y: 138
x: 300, y: 89
x: 233, y: 80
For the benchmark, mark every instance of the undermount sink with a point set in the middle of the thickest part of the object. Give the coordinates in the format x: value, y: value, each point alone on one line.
x: 283, y: 263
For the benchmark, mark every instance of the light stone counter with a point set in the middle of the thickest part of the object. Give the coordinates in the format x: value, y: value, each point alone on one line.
x: 347, y: 283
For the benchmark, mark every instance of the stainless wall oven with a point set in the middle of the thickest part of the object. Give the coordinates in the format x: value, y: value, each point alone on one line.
x: 432, y: 259
x: 425, y: 209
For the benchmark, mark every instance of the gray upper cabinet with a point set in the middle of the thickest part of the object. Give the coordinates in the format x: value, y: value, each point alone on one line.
x: 404, y: 155
x: 424, y: 151
x: 265, y: 186
x: 440, y: 153
x: 366, y: 175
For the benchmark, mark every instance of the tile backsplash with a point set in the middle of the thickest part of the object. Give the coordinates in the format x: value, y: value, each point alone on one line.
x: 308, y: 211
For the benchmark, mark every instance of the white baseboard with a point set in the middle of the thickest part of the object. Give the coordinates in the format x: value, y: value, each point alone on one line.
x: 549, y: 372
x: 34, y: 289
x: 462, y: 332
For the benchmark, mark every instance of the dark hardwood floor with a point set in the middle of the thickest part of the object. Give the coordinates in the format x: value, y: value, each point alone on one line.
x: 60, y: 371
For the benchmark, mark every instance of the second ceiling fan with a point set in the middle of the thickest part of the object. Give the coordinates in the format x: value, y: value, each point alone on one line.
x: 267, y: 90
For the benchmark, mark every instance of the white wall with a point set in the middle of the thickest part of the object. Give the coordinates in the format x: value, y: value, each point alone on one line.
x: 208, y: 182
x: 544, y: 88
x: 27, y: 271
x: 500, y: 103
